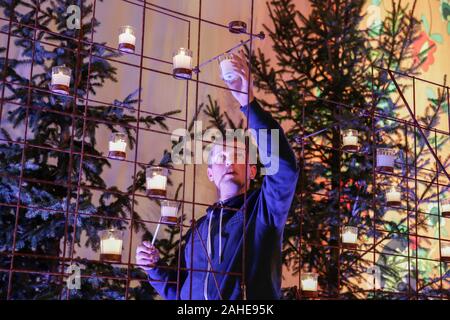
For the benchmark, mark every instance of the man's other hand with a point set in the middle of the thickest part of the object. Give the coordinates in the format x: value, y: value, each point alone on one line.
x: 146, y: 256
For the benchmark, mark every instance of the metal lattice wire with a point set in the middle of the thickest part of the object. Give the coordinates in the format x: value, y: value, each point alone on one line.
x: 409, y: 123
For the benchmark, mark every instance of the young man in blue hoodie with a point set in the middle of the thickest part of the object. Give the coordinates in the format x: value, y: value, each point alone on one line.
x: 212, y: 259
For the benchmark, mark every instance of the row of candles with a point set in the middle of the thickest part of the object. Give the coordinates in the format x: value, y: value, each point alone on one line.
x: 111, y: 248
x: 156, y: 183
x: 111, y: 240
x: 182, y: 63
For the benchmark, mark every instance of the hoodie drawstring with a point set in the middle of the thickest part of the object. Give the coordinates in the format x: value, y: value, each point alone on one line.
x: 208, y: 245
x: 220, y: 235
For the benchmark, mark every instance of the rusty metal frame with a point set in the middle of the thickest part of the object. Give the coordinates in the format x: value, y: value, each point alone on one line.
x: 68, y: 255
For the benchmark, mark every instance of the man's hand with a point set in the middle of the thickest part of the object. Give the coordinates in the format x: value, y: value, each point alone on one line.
x: 241, y: 83
x: 146, y: 255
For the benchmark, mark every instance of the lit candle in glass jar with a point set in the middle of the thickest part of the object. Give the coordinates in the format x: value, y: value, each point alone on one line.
x: 127, y: 39
x: 445, y: 208
x: 445, y: 251
x: 309, y: 284
x: 117, y: 146
x: 350, y: 140
x: 182, y: 64
x: 111, y: 245
x: 394, y: 197
x: 349, y: 236
x: 60, y: 80
x: 169, y: 211
x: 156, y: 178
x: 386, y: 159
x: 226, y: 67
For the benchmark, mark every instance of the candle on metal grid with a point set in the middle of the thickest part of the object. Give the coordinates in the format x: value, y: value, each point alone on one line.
x: 350, y: 140
x: 61, y: 77
x: 182, y: 64
x: 394, y: 197
x: 386, y: 159
x: 117, y: 146
x: 237, y: 27
x: 309, y: 284
x: 111, y: 245
x: 127, y: 39
x: 156, y: 181
x: 169, y: 211
x: 445, y: 251
x: 445, y: 208
x: 349, y: 237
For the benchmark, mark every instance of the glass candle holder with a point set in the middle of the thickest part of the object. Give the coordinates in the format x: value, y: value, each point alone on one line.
x: 445, y: 251
x: 182, y: 64
x: 237, y: 27
x: 349, y: 237
x: 127, y: 39
x: 350, y: 140
x: 111, y: 245
x: 169, y: 211
x: 394, y: 197
x: 309, y: 284
x: 445, y: 208
x: 156, y: 179
x: 386, y: 159
x: 118, y: 146
x: 61, y: 77
x: 226, y: 67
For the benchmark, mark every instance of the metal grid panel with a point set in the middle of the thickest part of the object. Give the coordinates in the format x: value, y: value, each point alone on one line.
x: 410, y: 124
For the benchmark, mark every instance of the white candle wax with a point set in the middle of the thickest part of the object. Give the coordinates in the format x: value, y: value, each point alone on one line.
x: 182, y: 61
x: 128, y: 38
x: 349, y: 237
x: 393, y: 196
x: 111, y: 246
x: 118, y: 146
x: 60, y: 79
x: 157, y: 182
x: 167, y: 211
x: 385, y: 160
x: 445, y: 250
x: 227, y: 70
x: 445, y: 208
x: 350, y: 140
x: 309, y: 285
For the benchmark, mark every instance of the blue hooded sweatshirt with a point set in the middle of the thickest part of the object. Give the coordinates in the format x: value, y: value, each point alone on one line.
x: 219, y: 234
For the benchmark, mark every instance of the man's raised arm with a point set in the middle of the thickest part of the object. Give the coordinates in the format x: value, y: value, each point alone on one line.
x: 279, y: 163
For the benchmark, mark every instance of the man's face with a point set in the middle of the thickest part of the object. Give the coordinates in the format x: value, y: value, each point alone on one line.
x: 227, y: 168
